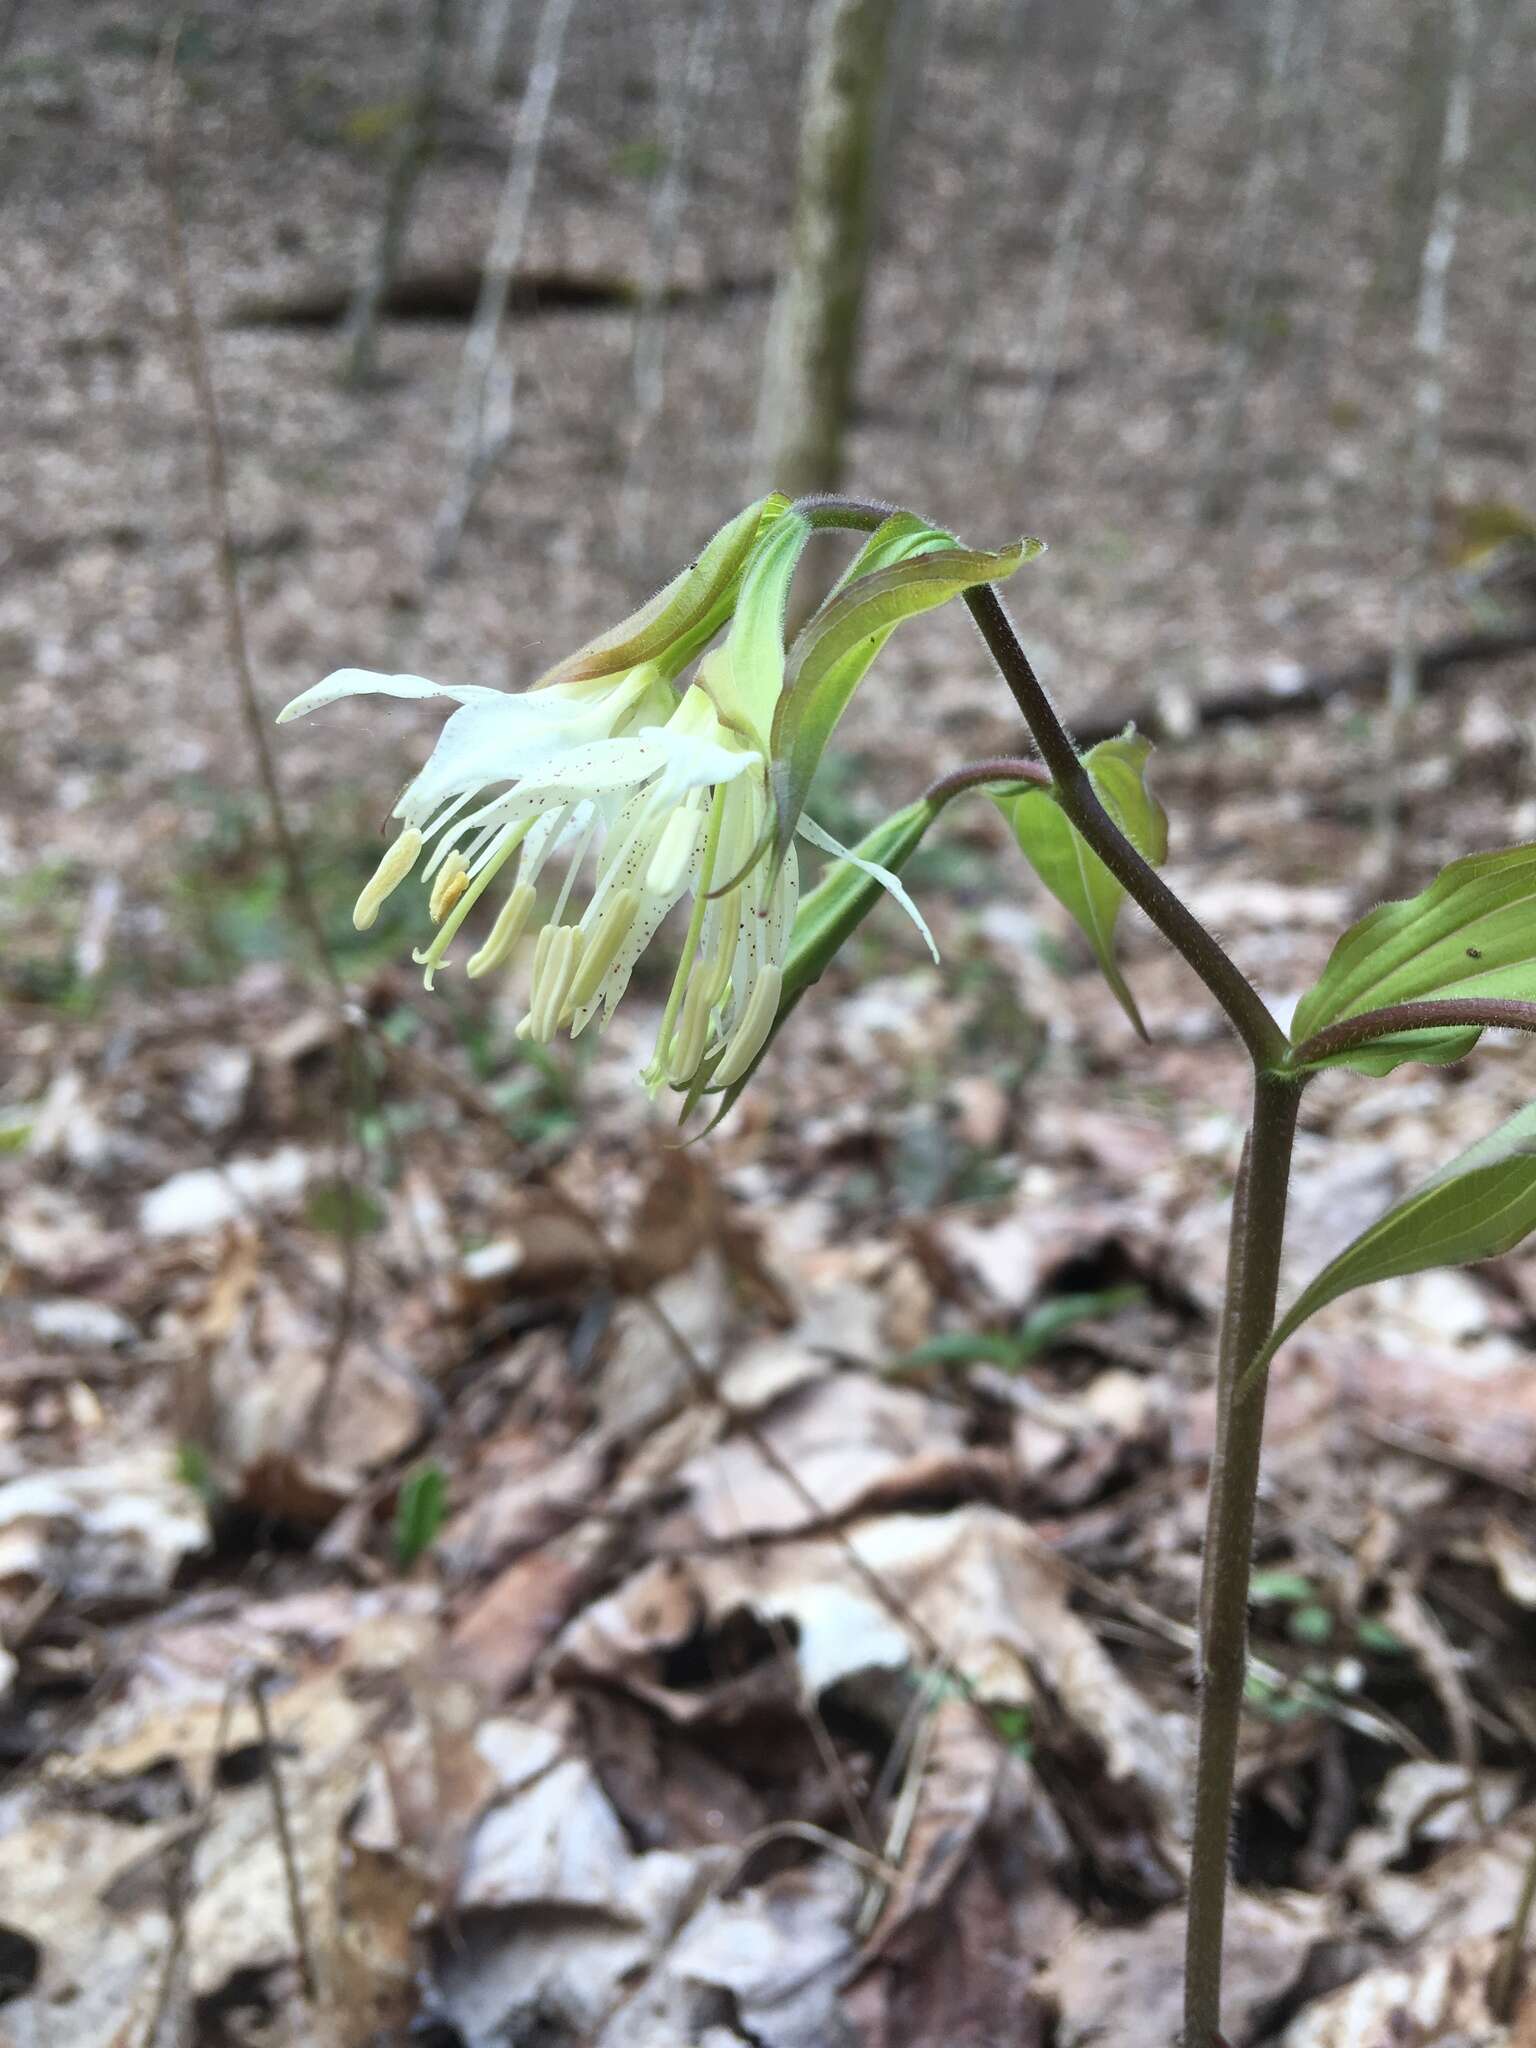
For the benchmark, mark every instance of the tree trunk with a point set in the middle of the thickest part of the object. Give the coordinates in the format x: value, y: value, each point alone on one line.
x: 813, y: 334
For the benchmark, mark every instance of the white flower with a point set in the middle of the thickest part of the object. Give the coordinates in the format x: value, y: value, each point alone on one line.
x: 662, y: 798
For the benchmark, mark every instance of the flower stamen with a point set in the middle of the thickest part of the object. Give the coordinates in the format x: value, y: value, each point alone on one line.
x: 452, y: 880
x: 751, y: 1034
x: 505, y: 932
x: 399, y: 858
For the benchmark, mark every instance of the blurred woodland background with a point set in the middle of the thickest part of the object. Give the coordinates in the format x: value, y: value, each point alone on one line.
x: 472, y: 1572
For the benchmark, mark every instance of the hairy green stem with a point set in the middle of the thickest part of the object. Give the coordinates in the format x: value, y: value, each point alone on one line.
x: 1505, y: 1013
x: 1253, y: 1274
x: 1004, y: 769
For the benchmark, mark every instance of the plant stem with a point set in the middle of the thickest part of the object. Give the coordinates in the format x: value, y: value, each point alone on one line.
x: 1253, y: 1274
x: 1267, y: 1044
x: 982, y: 774
x: 1505, y: 1013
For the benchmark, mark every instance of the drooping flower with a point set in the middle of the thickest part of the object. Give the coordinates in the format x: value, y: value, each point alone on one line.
x: 644, y: 795
x: 660, y: 797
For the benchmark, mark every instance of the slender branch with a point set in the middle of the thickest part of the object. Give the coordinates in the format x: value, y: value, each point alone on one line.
x: 1504, y: 1984
x: 283, y: 1829
x: 1258, y: 1223
x: 483, y: 407
x: 413, y: 145
x: 1490, y: 1013
x: 977, y: 774
x: 296, y: 887
x: 216, y: 469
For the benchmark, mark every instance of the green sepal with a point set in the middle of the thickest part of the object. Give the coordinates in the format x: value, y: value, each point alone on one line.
x: 1478, y: 1207
x: 1069, y: 867
x: 826, y: 918
x: 896, y: 539
x: 683, y: 616
x: 1472, y: 932
x: 833, y: 652
x: 747, y: 674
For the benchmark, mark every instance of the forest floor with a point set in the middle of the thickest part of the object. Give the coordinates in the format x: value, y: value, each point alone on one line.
x: 474, y: 1572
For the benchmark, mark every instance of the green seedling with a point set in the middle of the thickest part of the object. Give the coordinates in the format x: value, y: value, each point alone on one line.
x: 1042, y: 1330
x: 420, y: 1512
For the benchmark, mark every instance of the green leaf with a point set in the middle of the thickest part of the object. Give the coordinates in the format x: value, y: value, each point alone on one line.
x: 1059, y: 1313
x: 825, y: 920
x: 1046, y: 1323
x: 1310, y: 1624
x: 1069, y: 867
x: 1472, y: 932
x: 342, y: 1209
x: 1478, y: 1207
x: 419, y: 1514
x: 833, y: 652
x: 745, y: 677
x: 685, y: 614
x: 194, y: 1468
x: 1267, y: 1587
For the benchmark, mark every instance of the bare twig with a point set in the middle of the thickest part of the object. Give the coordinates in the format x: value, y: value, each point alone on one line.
x: 687, y: 74
x: 1254, y: 220
x: 491, y: 42
x: 186, y: 1852
x: 361, y: 330
x: 994, y: 194
x: 1429, y: 352
x: 296, y: 886
x: 1504, y: 1985
x: 200, y: 375
x: 274, y: 1777
x: 1410, y: 1619
x: 1289, y: 691
x: 1067, y: 245
x: 482, y: 422
x: 805, y: 1831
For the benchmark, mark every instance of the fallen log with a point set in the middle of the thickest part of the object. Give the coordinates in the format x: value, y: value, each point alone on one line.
x: 1286, y: 689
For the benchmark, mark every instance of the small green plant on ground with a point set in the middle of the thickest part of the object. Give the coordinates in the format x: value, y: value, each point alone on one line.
x: 420, y: 1511
x: 645, y: 793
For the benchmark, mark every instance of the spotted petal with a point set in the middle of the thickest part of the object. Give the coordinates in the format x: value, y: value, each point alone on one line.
x: 362, y: 682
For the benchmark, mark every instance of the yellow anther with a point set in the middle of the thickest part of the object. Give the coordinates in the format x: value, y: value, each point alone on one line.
x: 751, y: 1034
x: 391, y: 871
x: 505, y: 932
x: 560, y: 947
x: 687, y: 1047
x: 601, y: 943
x: 452, y: 881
